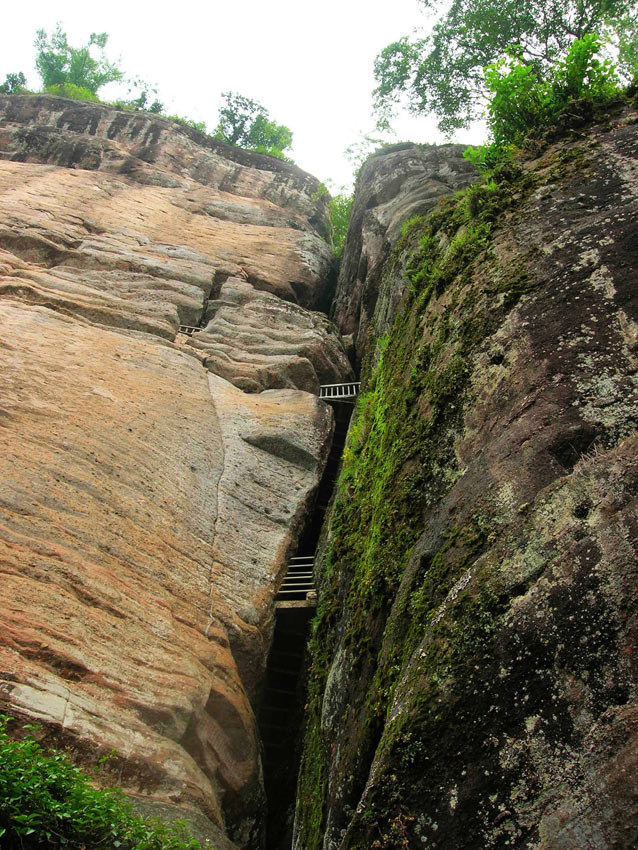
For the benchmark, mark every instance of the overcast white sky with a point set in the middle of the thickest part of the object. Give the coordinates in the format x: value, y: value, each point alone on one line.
x: 309, y: 64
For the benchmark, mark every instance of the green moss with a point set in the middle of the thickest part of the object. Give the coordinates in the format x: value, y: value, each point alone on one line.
x: 312, y: 788
x: 451, y: 673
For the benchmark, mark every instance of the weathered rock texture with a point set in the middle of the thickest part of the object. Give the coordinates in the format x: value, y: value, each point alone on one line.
x: 148, y: 506
x: 395, y: 184
x: 258, y: 341
x: 146, y: 240
x: 474, y: 680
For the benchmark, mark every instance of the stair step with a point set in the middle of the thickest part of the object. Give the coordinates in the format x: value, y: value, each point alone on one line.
x: 286, y: 691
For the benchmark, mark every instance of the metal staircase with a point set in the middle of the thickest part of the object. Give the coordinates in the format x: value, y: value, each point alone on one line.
x: 298, y: 584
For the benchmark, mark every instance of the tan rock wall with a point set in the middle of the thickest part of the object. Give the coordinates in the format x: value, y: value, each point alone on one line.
x: 147, y: 505
x: 153, y: 150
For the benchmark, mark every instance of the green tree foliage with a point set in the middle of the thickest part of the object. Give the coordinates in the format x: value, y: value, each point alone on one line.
x: 626, y: 28
x: 59, y: 64
x: 339, y: 209
x: 443, y: 72
x: 142, y: 103
x: 45, y: 801
x: 247, y: 124
x: 146, y: 99
x: 523, y: 101
x: 14, y: 84
x: 366, y: 144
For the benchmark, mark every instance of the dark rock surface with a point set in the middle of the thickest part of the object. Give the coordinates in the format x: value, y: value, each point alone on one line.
x: 474, y: 680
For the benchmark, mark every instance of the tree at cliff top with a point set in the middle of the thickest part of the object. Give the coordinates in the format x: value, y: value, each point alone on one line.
x: 60, y: 65
x: 339, y: 210
x: 442, y: 73
x: 524, y: 102
x: 247, y: 124
x: 14, y: 84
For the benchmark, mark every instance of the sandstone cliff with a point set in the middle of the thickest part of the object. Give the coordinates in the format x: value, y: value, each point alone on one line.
x: 153, y: 485
x: 395, y: 184
x: 474, y: 679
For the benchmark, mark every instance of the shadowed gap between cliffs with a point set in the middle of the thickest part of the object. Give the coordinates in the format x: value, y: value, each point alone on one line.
x: 281, y: 710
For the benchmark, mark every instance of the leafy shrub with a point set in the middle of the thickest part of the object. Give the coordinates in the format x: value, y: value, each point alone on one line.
x: 72, y: 91
x: 523, y: 102
x: 200, y: 126
x: 440, y: 71
x: 582, y: 74
x: 45, y: 801
x: 14, y: 84
x: 58, y: 63
x: 145, y: 100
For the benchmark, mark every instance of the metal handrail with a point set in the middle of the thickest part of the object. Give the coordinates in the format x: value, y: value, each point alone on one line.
x: 336, y: 392
x: 298, y: 583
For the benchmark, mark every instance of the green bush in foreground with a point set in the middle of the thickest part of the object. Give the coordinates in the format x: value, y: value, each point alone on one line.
x: 45, y: 801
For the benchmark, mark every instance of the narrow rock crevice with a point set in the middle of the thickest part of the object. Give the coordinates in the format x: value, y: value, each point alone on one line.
x: 281, y: 707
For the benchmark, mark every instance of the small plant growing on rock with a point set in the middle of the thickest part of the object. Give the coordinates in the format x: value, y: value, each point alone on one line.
x: 45, y: 801
x: 524, y: 102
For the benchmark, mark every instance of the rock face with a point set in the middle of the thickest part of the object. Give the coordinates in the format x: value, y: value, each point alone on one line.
x: 395, y: 184
x: 474, y: 679
x: 257, y: 341
x: 149, y: 505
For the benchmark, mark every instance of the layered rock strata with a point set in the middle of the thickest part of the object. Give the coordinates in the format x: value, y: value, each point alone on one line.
x: 395, y: 184
x: 149, y: 505
x: 474, y: 679
x: 258, y: 341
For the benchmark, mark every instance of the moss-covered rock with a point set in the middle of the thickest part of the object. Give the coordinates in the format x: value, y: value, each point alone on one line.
x: 472, y: 678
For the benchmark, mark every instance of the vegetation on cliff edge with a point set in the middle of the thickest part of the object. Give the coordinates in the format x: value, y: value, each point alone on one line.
x: 442, y: 72
x: 523, y: 102
x: 76, y: 73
